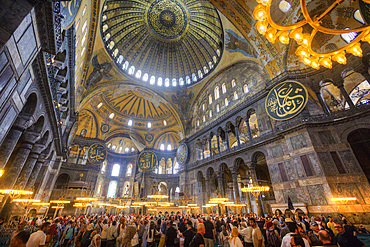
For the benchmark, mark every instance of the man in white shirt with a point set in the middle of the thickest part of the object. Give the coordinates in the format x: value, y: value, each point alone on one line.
x: 293, y: 228
x: 257, y: 236
x: 246, y: 232
x: 37, y: 239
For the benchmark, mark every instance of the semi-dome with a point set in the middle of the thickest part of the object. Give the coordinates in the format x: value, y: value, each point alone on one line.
x: 167, y: 43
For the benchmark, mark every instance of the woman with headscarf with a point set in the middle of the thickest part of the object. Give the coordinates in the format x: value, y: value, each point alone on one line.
x: 129, y: 235
x: 151, y: 235
x: 95, y: 242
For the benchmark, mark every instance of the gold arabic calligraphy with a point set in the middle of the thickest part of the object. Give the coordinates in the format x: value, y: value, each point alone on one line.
x: 97, y: 154
x: 147, y: 160
x: 286, y: 101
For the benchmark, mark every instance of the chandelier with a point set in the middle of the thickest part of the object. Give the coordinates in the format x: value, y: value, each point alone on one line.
x: 255, y: 190
x: 283, y: 33
x: 343, y: 199
x: 16, y: 193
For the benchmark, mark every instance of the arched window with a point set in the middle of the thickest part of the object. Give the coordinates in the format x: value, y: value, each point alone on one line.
x: 358, y: 17
x: 203, y: 107
x: 162, y: 147
x: 245, y: 88
x: 233, y: 83
x: 177, y: 190
x: 138, y: 74
x: 99, y: 189
x: 160, y: 81
x: 111, y: 116
x: 210, y: 114
x: 210, y: 98
x: 218, y: 108
x: 204, y: 119
x: 197, y: 123
x: 103, y: 167
x: 176, y: 168
x: 129, y: 170
x: 223, y: 88
x: 169, y: 147
x: 112, y: 189
x: 127, y: 149
x: 152, y: 80
x: 115, y: 170
x: 83, y: 132
x: 217, y: 93
x: 131, y: 71
x: 235, y: 95
x: 226, y: 102
x: 145, y: 77
x: 126, y: 189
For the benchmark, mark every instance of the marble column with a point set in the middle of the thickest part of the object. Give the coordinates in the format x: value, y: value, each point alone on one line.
x: 221, y: 184
x: 200, y: 193
x: 249, y: 129
x: 346, y: 96
x: 36, y: 171
x: 237, y: 135
x: 208, y: 189
x: 236, y: 187
x: 322, y: 103
x: 27, y: 169
x: 8, y: 145
x: 14, y: 169
x: 227, y: 140
x: 218, y: 144
x: 210, y: 147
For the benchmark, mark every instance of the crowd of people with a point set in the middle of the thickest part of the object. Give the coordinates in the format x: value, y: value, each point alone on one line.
x: 129, y: 230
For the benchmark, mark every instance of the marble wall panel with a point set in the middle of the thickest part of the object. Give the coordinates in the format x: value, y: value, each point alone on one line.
x: 276, y: 151
x: 291, y: 171
x: 347, y: 190
x: 349, y: 161
x: 274, y: 173
x: 327, y: 163
x: 315, y: 164
x: 298, y: 166
x: 317, y: 194
x: 27, y: 44
x: 298, y: 141
x: 326, y: 137
x: 298, y: 195
x: 314, y: 139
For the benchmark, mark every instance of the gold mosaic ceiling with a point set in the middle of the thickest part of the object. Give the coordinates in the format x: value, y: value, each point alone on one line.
x: 168, y: 43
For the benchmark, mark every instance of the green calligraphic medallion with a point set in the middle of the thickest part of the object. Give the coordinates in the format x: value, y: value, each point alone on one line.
x: 286, y: 100
x: 97, y: 154
x: 182, y: 154
x: 147, y: 160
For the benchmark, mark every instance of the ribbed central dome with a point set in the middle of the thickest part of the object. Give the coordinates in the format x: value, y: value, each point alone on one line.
x: 163, y: 42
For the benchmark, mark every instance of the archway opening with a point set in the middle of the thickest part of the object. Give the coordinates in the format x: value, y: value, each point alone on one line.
x: 360, y: 144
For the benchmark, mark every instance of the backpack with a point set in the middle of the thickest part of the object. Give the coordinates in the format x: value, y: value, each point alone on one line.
x: 272, y: 239
x: 192, y: 242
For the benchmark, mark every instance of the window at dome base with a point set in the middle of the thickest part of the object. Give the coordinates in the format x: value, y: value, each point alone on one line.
x: 173, y: 27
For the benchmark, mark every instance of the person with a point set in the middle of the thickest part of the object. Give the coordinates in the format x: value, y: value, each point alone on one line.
x: 198, y: 240
x: 293, y: 228
x: 37, y: 239
x: 314, y: 234
x: 188, y: 234
x: 20, y: 239
x: 297, y: 241
x: 69, y: 234
x: 257, y: 236
x: 85, y: 238
x: 246, y: 231
x: 272, y: 236
x: 150, y: 240
x: 95, y: 242
x: 112, y: 235
x: 104, y: 234
x: 171, y: 234
x: 234, y: 239
x: 331, y: 225
x: 209, y: 236
x: 346, y: 237
x: 284, y: 230
x: 326, y: 239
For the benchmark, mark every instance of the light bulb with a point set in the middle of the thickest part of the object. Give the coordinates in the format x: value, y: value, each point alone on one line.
x: 271, y: 34
x: 259, y: 13
x: 340, y: 58
x: 302, y: 51
x: 326, y: 62
x: 283, y: 37
x: 307, y: 61
x: 305, y: 40
x: 315, y: 62
x: 356, y: 50
x: 296, y: 34
x: 366, y: 38
x: 261, y: 27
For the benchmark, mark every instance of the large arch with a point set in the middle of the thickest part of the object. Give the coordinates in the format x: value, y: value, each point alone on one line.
x: 360, y: 143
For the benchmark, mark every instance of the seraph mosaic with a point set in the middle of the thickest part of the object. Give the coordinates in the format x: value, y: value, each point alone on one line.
x: 236, y: 43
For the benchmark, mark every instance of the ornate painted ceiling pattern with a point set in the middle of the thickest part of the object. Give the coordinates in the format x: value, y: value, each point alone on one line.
x: 163, y: 42
x: 137, y: 106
